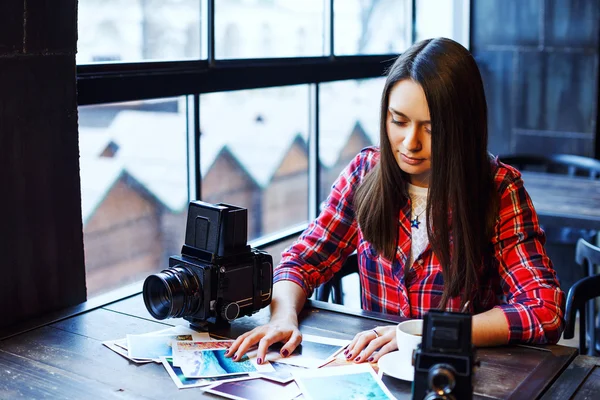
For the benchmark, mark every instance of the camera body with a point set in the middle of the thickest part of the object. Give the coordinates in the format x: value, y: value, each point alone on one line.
x: 218, y: 277
x: 445, y: 359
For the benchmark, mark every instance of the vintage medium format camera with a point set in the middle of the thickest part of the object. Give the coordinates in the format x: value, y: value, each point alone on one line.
x: 218, y: 277
x: 444, y: 361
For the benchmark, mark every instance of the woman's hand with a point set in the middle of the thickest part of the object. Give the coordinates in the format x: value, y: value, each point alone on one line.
x: 288, y: 300
x: 284, y: 330
x: 364, y: 344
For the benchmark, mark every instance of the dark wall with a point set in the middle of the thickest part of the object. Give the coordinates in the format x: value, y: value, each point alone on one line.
x: 41, y: 245
x: 539, y: 61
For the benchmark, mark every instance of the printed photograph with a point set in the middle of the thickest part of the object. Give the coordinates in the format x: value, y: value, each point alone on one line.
x: 255, y: 389
x: 152, y: 347
x: 349, y: 383
x: 180, y: 331
x: 314, y: 352
x: 122, y: 343
x: 185, y: 351
x: 182, y: 382
x: 283, y: 372
x: 209, y: 363
x: 112, y: 344
x: 340, y: 361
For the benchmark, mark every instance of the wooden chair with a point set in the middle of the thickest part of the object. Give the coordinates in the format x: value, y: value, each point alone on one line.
x: 581, y: 297
x: 560, y: 240
x: 567, y: 164
x: 333, y: 287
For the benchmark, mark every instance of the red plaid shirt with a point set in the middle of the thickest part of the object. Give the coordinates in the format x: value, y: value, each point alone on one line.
x: 523, y: 283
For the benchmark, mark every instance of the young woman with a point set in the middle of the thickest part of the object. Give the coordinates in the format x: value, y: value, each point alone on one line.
x: 436, y: 221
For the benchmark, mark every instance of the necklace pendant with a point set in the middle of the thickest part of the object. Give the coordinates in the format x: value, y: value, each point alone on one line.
x: 415, y: 222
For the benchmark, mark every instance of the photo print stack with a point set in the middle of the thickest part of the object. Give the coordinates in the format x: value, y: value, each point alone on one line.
x: 197, y: 360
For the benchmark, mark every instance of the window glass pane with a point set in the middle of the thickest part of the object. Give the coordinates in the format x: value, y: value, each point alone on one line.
x: 138, y: 30
x: 268, y: 28
x: 349, y: 121
x: 372, y: 26
x: 134, y: 189
x: 447, y: 18
x: 254, y: 154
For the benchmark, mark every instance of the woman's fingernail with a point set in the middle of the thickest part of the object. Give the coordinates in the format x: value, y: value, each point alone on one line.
x: 349, y: 355
x: 235, y: 357
x: 284, y: 352
x: 259, y: 360
x: 346, y: 352
x: 371, y: 359
x: 357, y: 359
x: 226, y: 351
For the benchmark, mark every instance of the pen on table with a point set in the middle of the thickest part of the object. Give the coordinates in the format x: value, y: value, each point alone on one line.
x: 340, y: 350
x: 465, y: 307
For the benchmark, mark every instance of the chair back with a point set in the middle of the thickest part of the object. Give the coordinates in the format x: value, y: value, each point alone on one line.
x: 580, y: 294
x: 567, y: 164
x: 333, y: 287
x: 561, y: 164
x: 587, y: 254
x: 578, y: 165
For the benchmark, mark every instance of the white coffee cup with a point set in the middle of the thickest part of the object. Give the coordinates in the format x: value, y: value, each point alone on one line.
x: 408, y: 336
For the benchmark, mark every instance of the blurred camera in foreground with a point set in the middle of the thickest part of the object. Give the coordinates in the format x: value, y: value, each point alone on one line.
x: 445, y: 359
x: 218, y: 277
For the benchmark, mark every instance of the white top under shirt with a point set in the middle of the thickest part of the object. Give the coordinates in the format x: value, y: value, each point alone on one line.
x: 419, y: 239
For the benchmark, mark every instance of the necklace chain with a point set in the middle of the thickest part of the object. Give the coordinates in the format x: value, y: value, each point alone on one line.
x: 414, y: 223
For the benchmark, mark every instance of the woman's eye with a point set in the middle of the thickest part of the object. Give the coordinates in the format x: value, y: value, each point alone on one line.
x: 396, y: 122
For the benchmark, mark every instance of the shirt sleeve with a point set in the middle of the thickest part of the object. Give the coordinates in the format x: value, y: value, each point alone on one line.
x: 534, y: 305
x: 326, y: 243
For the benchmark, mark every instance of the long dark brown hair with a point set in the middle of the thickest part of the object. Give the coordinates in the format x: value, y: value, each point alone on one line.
x: 462, y: 199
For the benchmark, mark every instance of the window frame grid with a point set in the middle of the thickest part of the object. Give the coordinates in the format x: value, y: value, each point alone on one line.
x: 121, y: 82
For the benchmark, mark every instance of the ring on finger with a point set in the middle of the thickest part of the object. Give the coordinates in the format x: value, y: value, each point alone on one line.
x: 375, y: 332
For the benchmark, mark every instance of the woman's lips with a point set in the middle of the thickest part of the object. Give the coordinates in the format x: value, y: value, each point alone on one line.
x: 411, y: 161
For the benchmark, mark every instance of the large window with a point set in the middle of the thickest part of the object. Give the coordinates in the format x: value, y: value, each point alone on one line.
x: 254, y: 154
x: 257, y: 103
x: 372, y: 26
x: 447, y: 18
x: 259, y: 29
x: 135, y: 30
x: 134, y: 188
x: 349, y: 121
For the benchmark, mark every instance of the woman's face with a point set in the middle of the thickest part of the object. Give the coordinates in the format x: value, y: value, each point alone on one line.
x: 409, y: 130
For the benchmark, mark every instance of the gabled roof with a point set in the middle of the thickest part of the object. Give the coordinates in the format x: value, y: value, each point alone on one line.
x: 98, y: 176
x: 152, y: 146
x: 226, y: 154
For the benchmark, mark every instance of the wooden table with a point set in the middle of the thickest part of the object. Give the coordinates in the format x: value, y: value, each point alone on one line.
x: 581, y: 380
x: 66, y: 359
x: 564, y: 201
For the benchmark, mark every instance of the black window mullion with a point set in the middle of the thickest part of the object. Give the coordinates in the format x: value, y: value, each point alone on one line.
x: 331, y: 29
x: 211, y: 32
x: 413, y: 34
x: 197, y: 148
x: 314, y: 170
x: 98, y: 84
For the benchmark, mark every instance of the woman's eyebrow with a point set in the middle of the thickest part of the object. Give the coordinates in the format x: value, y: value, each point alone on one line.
x: 400, y: 114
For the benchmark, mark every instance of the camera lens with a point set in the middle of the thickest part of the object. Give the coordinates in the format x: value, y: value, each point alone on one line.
x: 437, y: 396
x: 441, y: 379
x: 172, y: 293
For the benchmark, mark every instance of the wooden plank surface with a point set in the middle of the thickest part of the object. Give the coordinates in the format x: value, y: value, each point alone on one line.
x: 581, y: 380
x: 564, y: 201
x: 70, y: 351
x: 89, y: 364
x: 25, y: 378
x: 591, y: 387
x: 556, y: 359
